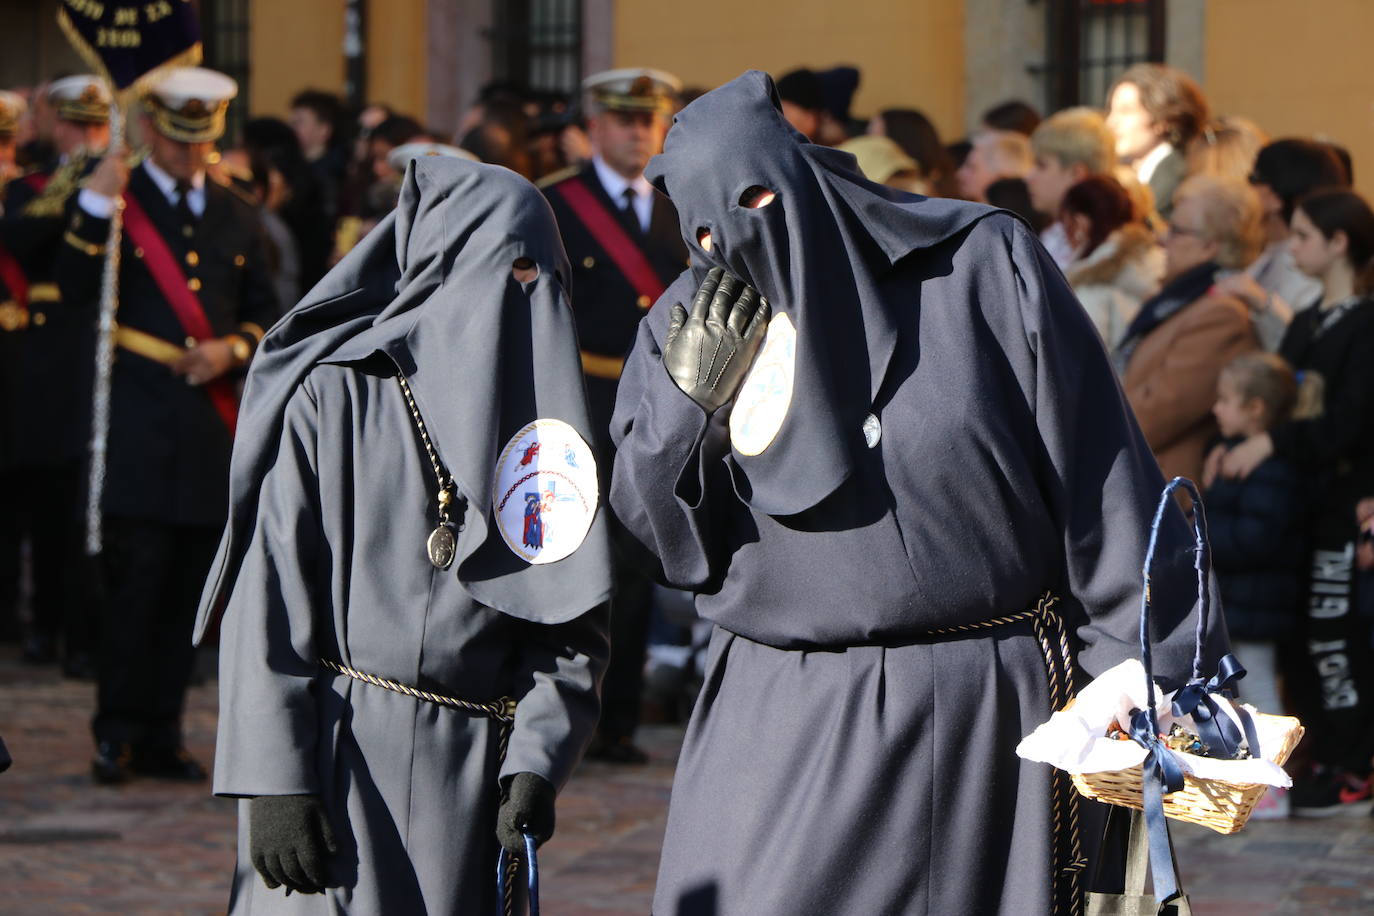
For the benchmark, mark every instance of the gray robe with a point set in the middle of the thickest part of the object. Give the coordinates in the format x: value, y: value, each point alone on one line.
x: 324, y: 557
x: 841, y: 759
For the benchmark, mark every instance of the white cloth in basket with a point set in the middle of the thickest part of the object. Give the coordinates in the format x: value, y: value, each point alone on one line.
x: 1075, y: 740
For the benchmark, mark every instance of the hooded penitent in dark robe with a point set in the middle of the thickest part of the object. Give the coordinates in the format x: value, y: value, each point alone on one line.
x: 333, y: 497
x: 946, y: 443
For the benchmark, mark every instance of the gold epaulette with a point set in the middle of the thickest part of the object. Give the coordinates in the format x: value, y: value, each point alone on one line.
x: 554, y: 178
x: 52, y: 200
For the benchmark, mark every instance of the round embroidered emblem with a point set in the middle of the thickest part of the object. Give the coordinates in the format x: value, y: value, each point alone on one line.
x: 545, y: 494
x: 763, y: 399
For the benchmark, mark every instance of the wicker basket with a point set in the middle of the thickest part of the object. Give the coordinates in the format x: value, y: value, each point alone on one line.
x: 1222, y: 806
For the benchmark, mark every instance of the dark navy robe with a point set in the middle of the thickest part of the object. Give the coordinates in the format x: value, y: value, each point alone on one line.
x: 839, y: 759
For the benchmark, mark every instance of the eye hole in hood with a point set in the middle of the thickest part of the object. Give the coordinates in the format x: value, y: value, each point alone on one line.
x: 524, y: 270
x: 756, y: 197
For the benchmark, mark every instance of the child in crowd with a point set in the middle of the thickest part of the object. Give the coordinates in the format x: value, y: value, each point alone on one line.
x: 1255, y: 525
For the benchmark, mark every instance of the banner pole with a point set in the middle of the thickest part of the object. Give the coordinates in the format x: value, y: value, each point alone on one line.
x: 104, y: 350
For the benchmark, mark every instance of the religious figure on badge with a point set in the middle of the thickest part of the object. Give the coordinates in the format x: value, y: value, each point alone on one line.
x: 534, y: 524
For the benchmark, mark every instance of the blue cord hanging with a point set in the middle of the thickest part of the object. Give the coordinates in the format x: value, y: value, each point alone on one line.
x: 1162, y: 773
x: 531, y: 871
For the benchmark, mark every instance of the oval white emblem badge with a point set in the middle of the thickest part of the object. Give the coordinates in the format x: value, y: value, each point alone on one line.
x: 763, y: 399
x: 545, y: 493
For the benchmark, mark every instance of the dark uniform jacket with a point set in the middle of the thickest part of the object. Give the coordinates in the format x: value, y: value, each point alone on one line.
x: 46, y: 351
x: 168, y: 455
x: 606, y: 305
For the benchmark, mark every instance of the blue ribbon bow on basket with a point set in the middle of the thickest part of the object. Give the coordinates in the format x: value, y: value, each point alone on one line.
x: 1217, y: 730
x: 503, y: 865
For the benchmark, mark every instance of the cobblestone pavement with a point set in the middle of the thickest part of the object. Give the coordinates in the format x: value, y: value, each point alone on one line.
x: 68, y: 847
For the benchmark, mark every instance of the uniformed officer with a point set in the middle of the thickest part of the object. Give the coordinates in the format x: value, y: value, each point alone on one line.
x: 623, y: 241
x: 47, y: 378
x: 195, y: 294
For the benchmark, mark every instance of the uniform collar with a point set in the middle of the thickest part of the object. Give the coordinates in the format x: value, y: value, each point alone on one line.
x: 168, y: 185
x: 616, y: 183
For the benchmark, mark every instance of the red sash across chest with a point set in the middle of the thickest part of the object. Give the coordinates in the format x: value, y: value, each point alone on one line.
x: 185, y: 304
x: 608, y: 231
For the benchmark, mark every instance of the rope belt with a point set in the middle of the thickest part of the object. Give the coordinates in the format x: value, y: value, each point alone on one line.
x: 500, y: 710
x: 1053, y: 638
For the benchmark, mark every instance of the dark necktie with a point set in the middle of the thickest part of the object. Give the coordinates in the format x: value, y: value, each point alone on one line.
x: 185, y: 215
x: 628, y: 208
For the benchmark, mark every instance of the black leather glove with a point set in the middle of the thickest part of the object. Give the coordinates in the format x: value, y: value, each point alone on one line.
x: 527, y: 807
x: 290, y: 842
x: 708, y: 352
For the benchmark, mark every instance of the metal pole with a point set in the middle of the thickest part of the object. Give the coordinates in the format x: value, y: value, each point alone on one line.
x: 104, y: 351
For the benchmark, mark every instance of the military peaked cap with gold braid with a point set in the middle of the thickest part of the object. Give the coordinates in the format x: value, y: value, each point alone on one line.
x: 633, y: 89
x: 187, y: 104
x: 84, y: 98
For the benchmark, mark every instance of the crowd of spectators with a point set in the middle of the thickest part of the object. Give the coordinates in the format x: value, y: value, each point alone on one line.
x: 1228, y: 274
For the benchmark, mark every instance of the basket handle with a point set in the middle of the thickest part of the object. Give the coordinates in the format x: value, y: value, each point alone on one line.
x: 1202, y: 563
x: 531, y: 871
x: 1161, y: 771
x: 1194, y: 698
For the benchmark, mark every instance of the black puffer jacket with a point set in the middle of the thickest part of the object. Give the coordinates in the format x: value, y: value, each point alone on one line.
x: 1256, y: 529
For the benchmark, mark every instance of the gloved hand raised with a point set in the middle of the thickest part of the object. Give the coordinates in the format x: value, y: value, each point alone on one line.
x: 290, y: 842
x: 708, y: 352
x: 527, y: 807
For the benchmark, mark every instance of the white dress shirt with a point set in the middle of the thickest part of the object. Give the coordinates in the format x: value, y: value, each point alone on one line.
x: 1145, y: 168
x: 615, y: 185
x: 100, y: 206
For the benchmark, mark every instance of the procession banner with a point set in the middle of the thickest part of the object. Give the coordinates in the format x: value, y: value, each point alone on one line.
x: 124, y: 40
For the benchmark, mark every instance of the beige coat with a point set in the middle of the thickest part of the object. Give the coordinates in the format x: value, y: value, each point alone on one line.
x: 1171, y: 379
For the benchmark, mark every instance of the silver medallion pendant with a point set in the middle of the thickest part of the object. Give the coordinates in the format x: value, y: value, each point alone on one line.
x: 873, y: 431
x: 441, y: 546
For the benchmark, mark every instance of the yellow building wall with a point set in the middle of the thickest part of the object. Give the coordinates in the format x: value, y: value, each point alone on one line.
x: 911, y: 52
x: 396, y: 55
x: 1297, y: 70
x: 294, y: 46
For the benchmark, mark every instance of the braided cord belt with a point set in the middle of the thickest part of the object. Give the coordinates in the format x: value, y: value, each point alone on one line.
x: 501, y: 710
x: 1054, y: 643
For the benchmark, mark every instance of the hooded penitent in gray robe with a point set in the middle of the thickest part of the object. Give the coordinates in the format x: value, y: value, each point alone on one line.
x: 931, y: 438
x: 333, y: 497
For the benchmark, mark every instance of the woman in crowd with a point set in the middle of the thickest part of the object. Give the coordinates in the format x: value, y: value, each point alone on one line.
x: 1175, y: 347
x: 1156, y: 112
x: 913, y: 132
x: 1117, y: 262
x: 1273, y: 286
x: 882, y: 160
x: 1332, y: 344
x: 1227, y: 148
